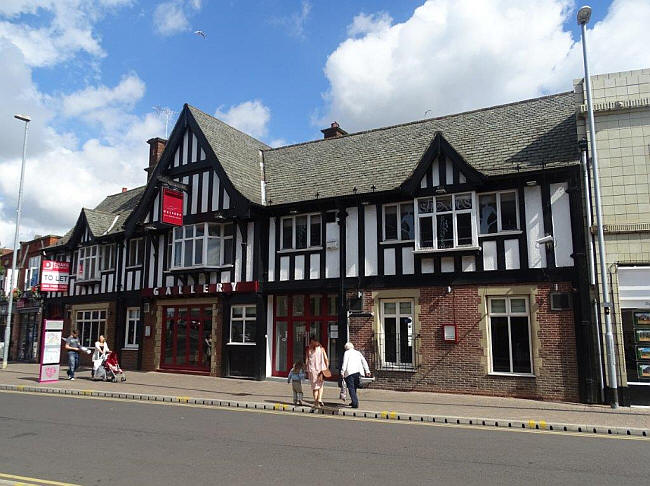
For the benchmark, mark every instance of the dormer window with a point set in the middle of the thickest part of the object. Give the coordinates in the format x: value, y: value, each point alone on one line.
x: 446, y: 222
x: 202, y: 245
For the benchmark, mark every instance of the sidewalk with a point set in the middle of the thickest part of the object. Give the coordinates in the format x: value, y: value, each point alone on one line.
x: 273, y: 392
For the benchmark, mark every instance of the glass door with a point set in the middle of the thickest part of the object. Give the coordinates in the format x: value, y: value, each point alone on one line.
x: 187, y: 338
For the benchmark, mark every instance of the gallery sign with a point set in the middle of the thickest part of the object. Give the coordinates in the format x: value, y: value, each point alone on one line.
x: 172, y: 207
x: 54, y: 276
x: 200, y: 289
x: 50, y: 351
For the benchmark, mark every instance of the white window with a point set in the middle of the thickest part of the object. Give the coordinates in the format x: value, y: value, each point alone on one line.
x: 396, y: 337
x: 498, y: 211
x: 91, y: 324
x: 132, y: 326
x: 446, y: 222
x: 107, y: 257
x: 242, y: 324
x: 399, y: 224
x: 33, y: 272
x: 136, y: 252
x: 510, y: 339
x: 88, y: 267
x: 300, y: 232
x: 203, y: 245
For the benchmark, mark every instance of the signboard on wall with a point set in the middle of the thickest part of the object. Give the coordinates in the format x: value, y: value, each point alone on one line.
x: 54, y: 276
x: 50, y: 351
x: 172, y: 207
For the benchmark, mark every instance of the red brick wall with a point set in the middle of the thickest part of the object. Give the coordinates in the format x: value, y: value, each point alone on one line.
x: 462, y: 367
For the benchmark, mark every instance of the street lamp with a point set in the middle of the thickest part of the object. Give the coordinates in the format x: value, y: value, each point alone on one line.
x: 5, y: 356
x: 584, y: 14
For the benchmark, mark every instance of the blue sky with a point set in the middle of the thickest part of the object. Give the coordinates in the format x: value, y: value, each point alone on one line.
x: 89, y: 72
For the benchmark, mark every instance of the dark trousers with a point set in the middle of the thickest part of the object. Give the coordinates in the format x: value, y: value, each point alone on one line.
x: 352, y: 382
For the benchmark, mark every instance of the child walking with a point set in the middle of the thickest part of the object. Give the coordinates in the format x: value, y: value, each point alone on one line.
x: 296, y: 375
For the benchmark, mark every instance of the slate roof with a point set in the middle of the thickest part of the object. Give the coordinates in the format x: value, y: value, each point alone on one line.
x: 237, y: 152
x: 504, y: 139
x: 101, y: 220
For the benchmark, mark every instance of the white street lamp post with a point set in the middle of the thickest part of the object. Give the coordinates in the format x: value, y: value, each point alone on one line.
x: 584, y: 14
x: 13, y: 278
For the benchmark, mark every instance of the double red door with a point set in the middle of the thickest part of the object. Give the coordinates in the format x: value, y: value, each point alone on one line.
x: 187, y: 337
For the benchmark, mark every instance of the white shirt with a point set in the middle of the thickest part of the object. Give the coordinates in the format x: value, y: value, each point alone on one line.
x: 354, y: 362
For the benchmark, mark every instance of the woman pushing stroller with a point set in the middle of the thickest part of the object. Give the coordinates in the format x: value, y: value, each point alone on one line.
x: 100, y: 354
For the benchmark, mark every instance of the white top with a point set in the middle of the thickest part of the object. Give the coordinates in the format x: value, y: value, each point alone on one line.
x: 354, y: 362
x: 98, y: 350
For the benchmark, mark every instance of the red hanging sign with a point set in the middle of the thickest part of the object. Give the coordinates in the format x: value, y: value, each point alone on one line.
x: 172, y: 207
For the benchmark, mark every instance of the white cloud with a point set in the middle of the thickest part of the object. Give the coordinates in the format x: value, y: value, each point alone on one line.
x: 171, y: 17
x: 251, y: 117
x: 455, y: 55
x: 130, y: 90
x: 366, y: 24
x: 294, y: 24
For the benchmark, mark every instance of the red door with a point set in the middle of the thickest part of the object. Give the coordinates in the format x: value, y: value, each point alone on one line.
x: 297, y: 319
x: 187, y: 337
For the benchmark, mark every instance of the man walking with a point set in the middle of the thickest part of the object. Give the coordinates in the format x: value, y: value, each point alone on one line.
x: 353, y: 365
x: 73, y: 346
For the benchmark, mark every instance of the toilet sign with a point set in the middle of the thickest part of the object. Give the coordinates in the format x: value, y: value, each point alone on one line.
x: 54, y: 276
x: 50, y: 351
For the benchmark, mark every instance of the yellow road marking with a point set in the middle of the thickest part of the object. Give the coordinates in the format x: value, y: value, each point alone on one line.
x: 542, y: 424
x: 35, y: 481
x: 347, y: 417
x: 183, y: 399
x: 531, y: 424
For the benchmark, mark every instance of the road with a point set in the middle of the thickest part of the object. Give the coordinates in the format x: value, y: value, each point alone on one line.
x: 101, y: 442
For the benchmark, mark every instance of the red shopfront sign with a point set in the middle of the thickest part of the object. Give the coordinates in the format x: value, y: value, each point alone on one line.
x: 172, y: 207
x: 201, y: 289
x: 54, y: 276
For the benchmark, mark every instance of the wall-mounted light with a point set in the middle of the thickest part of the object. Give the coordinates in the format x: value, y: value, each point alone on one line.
x: 441, y: 190
x: 293, y: 211
x: 531, y: 183
x: 548, y: 241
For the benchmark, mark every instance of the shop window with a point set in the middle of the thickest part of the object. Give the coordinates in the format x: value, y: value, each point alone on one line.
x: 91, y: 324
x: 136, y: 252
x: 32, y: 274
x: 107, y: 257
x: 399, y: 223
x: 88, y: 267
x: 300, y: 232
x: 132, y: 327
x: 498, y: 211
x: 396, y: 336
x: 243, y: 320
x: 510, y: 336
x: 203, y: 245
x: 446, y: 222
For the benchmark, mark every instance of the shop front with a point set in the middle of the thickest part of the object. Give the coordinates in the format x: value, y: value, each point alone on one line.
x: 634, y: 298
x: 187, y: 337
x: 298, y: 318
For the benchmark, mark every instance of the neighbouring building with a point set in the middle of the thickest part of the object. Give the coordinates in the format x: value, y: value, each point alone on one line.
x: 451, y: 251
x: 622, y: 117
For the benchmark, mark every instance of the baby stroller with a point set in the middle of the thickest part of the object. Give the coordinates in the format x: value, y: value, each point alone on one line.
x: 109, y: 369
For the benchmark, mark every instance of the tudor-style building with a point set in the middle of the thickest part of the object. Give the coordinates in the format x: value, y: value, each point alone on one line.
x: 449, y: 250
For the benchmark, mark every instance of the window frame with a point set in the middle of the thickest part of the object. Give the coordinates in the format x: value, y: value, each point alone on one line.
x: 500, y: 229
x: 399, y: 221
x: 129, y: 322
x: 454, y: 212
x: 509, y: 314
x: 205, y: 238
x: 104, y: 250
x: 82, y: 258
x: 397, y: 365
x: 32, y: 268
x: 139, y: 253
x: 98, y: 324
x: 244, y: 320
x: 293, y: 231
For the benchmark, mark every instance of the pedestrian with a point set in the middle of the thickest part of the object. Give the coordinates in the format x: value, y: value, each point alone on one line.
x: 73, y: 346
x: 353, y: 365
x: 296, y: 375
x: 317, y: 369
x: 101, y: 351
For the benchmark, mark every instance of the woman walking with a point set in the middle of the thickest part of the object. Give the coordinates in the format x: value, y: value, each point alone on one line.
x: 317, y: 367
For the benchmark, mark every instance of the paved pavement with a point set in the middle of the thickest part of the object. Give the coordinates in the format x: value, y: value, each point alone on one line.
x: 273, y: 392
x: 99, y: 442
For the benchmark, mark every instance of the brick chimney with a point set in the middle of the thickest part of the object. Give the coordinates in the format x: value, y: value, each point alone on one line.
x: 156, y: 148
x: 333, y: 131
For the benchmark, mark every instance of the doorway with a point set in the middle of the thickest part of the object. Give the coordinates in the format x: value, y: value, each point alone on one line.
x: 187, y: 338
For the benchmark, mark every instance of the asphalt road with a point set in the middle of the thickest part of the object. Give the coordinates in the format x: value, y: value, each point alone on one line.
x: 96, y: 442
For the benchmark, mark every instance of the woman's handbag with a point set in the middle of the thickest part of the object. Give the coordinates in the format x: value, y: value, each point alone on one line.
x: 327, y: 373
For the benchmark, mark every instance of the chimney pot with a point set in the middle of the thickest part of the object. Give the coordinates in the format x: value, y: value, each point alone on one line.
x: 333, y: 131
x: 156, y: 149
x: 124, y: 189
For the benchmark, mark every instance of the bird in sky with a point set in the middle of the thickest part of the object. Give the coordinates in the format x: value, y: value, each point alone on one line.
x: 201, y: 33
